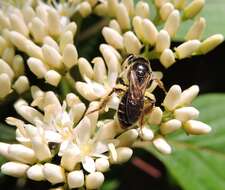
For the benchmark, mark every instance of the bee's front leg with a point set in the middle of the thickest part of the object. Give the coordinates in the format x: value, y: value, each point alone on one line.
x: 160, y: 84
x: 119, y: 89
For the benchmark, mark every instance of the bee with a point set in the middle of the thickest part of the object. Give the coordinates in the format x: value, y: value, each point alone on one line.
x: 135, y: 102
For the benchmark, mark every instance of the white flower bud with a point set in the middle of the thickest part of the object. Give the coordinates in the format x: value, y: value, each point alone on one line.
x: 166, y: 10
x: 14, y: 169
x: 122, y: 16
x: 101, y: 164
x: 3, y: 44
x: 70, y: 157
x: 167, y: 58
x: 18, y: 40
x: 112, y: 6
x: 51, y: 42
x: 65, y: 39
x: 85, y: 90
x: 35, y: 172
x: 18, y: 65
x: 4, y: 150
x: 138, y: 27
x: 170, y: 126
x: 72, y: 26
x: 53, y: 22
x: 28, y: 13
x: 77, y: 111
x: 186, y: 113
x: 37, y: 67
x: 21, y: 85
x: 162, y: 41
x: 101, y: 9
x: 85, y: 68
x: 33, y: 50
x: 129, y: 4
x: 211, y: 43
x: 99, y: 70
x: 188, y: 95
x: 38, y: 29
x: 52, y: 57
x: 72, y: 99
x: 179, y: 4
x: 161, y: 145
x: 51, y: 98
x: 172, y: 98
x: 172, y: 23
x: 94, y: 180
x: 196, y: 29
x: 70, y: 56
x: 52, y: 77
x: 128, y: 137
x: 113, y: 37
x: 160, y: 3
x: 54, y: 173
x: 5, y: 84
x: 123, y: 155
x: 18, y: 24
x: 85, y: 9
x: 196, y: 127
x: 142, y: 9
x: 155, y: 116
x: 146, y: 133
x: 193, y: 8
x: 150, y: 31
x: 4, y: 20
x: 131, y: 43
x: 186, y: 49
x: 75, y: 179
x: 8, y: 54
x: 5, y: 68
x: 115, y: 26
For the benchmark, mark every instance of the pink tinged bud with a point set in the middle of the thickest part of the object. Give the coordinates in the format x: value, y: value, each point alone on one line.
x: 54, y: 173
x: 38, y: 30
x: 37, y: 67
x: 138, y: 27
x: 155, y: 116
x: 53, y: 22
x: 196, y: 30
x: 70, y: 56
x: 113, y: 37
x: 170, y: 126
x: 5, y: 84
x: 85, y: 68
x: 172, y: 23
x: 161, y: 145
x: 150, y: 31
x: 167, y: 58
x: 14, y: 169
x: 131, y: 43
x: 162, y: 41
x: 142, y: 9
x: 19, y: 25
x: 75, y: 179
x: 122, y: 16
x: 193, y: 8
x: 52, y: 57
x: 166, y: 10
x: 211, y: 43
x: 186, y: 49
x: 186, y: 113
x: 172, y: 98
x: 84, y: 9
x: 94, y: 180
x: 21, y: 85
x: 35, y: 172
x: 52, y: 77
x: 196, y: 127
x: 188, y: 95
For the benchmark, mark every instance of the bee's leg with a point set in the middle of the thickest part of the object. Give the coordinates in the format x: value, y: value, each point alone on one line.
x: 160, y: 84
x: 119, y: 89
x: 148, y: 106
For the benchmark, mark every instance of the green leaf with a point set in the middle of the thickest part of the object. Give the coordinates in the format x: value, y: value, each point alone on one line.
x: 7, y: 133
x: 197, y: 162
x: 214, y: 13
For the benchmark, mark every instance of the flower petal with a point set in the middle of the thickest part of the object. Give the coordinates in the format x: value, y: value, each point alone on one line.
x: 88, y: 164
